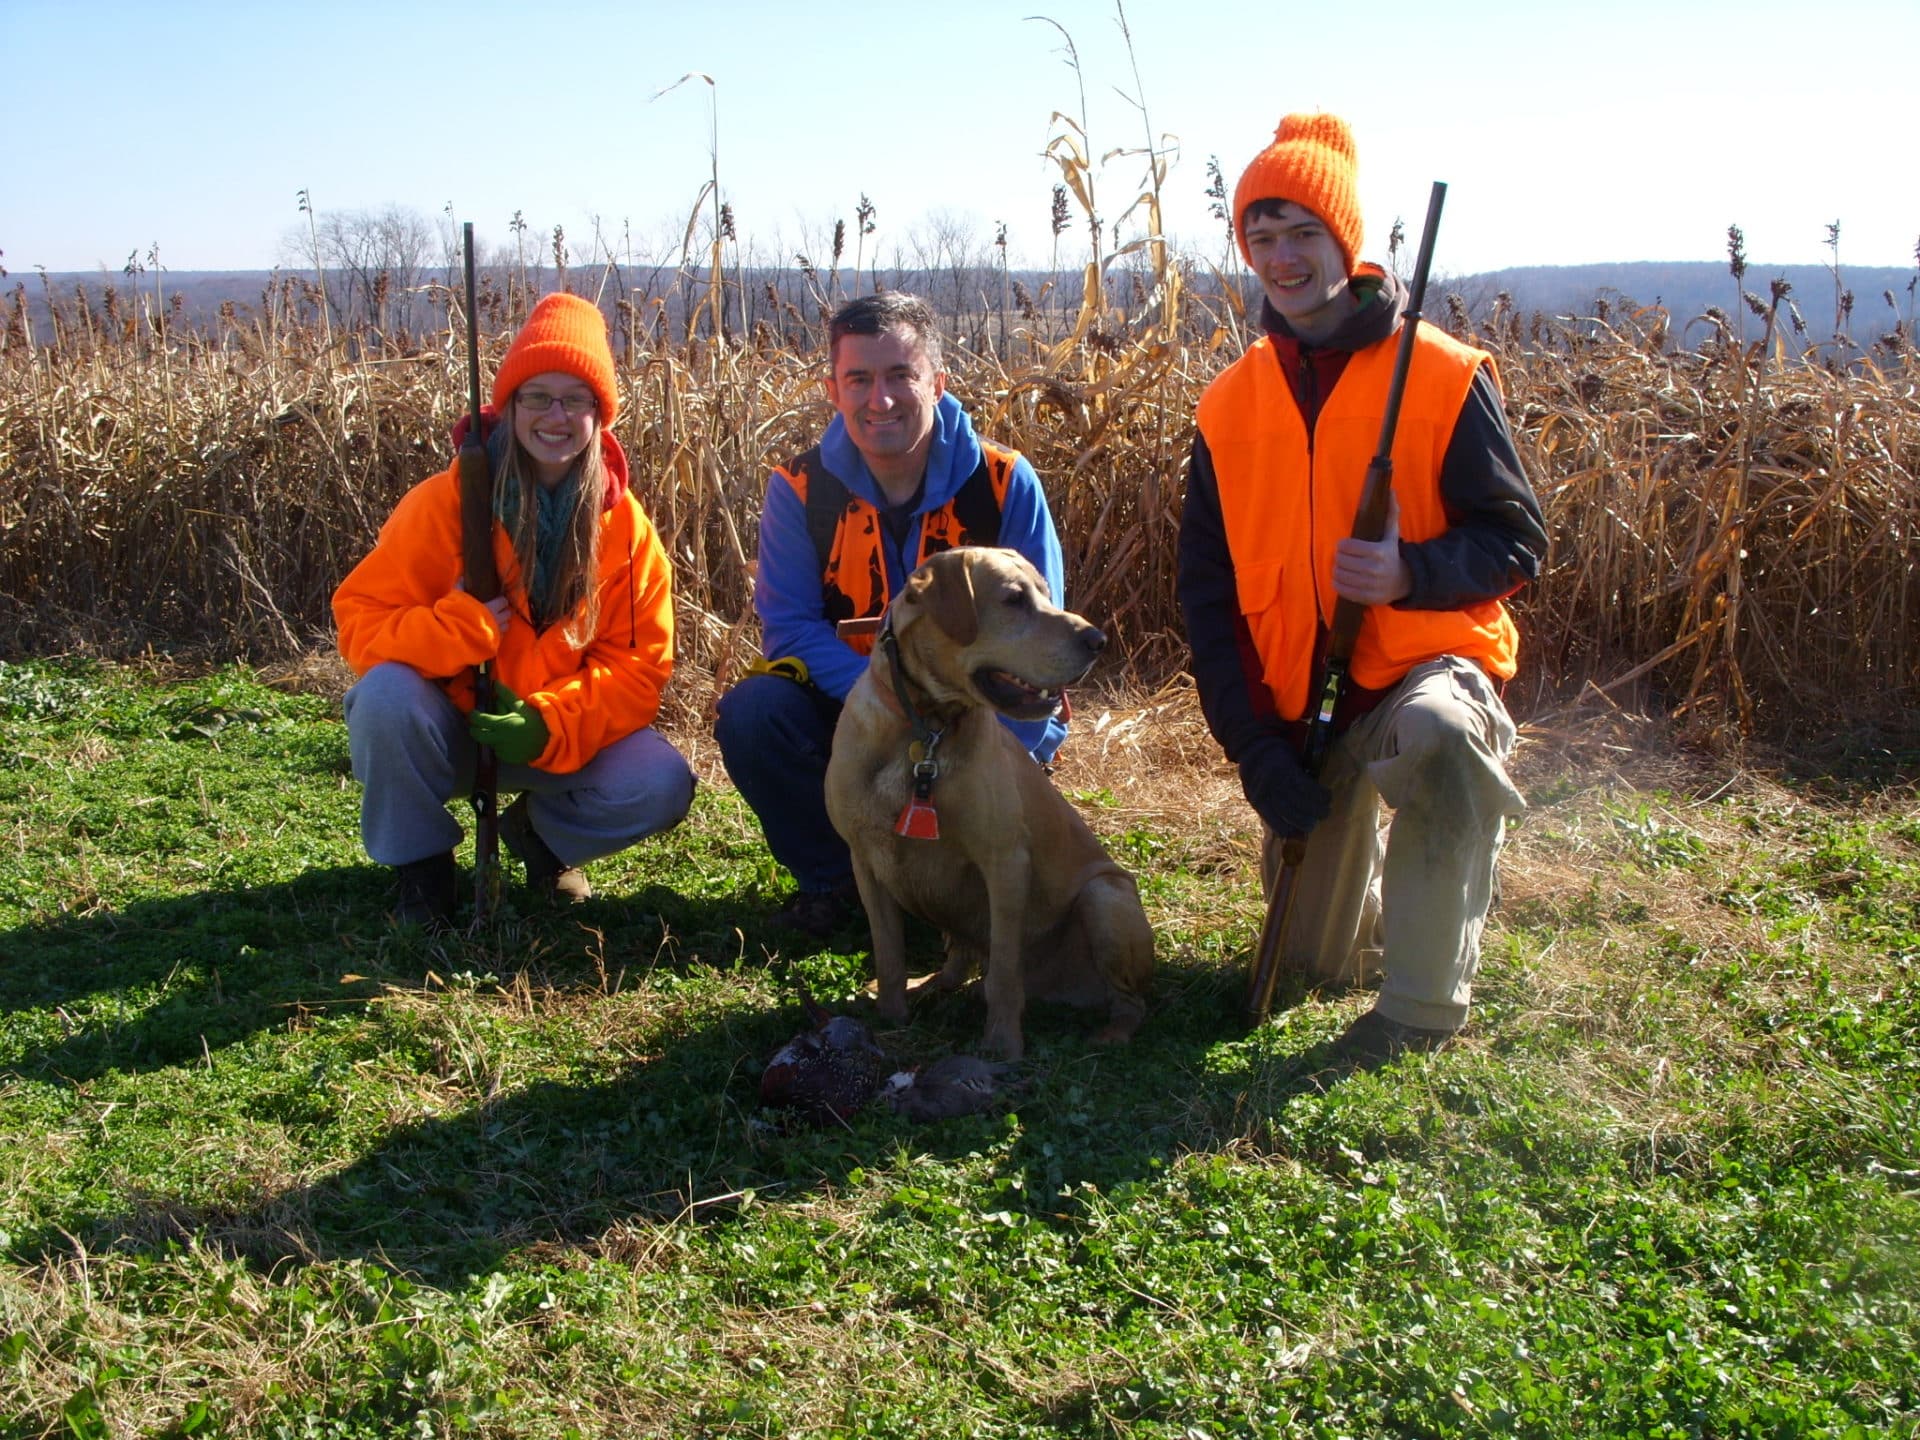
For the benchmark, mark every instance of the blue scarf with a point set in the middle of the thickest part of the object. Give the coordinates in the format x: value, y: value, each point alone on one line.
x: 550, y: 528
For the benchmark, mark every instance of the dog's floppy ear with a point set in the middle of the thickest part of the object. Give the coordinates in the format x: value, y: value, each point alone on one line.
x: 946, y: 589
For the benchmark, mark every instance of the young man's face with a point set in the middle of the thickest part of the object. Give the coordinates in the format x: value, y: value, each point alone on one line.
x: 885, y: 389
x: 1300, y: 268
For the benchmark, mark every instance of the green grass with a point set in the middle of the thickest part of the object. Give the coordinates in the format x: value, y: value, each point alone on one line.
x: 270, y: 1168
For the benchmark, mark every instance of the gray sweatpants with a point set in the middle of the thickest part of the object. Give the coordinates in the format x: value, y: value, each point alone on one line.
x: 1407, y: 904
x: 412, y: 754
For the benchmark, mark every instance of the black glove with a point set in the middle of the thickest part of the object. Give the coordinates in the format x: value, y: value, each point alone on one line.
x: 1278, y: 787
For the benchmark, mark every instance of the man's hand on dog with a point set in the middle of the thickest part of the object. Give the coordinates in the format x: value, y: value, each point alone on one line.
x: 1278, y: 787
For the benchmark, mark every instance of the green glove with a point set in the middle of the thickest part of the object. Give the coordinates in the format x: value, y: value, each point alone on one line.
x: 512, y: 728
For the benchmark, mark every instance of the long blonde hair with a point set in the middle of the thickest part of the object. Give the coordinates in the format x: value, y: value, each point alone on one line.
x: 575, y: 584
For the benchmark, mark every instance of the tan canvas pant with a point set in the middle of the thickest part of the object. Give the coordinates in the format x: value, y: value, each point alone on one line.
x: 1405, y: 905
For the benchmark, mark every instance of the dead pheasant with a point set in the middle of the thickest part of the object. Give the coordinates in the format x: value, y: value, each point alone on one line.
x: 951, y: 1086
x: 827, y: 1071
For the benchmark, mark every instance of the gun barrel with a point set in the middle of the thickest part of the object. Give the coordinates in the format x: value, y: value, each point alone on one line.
x: 1410, y: 322
x: 473, y: 336
x: 482, y: 577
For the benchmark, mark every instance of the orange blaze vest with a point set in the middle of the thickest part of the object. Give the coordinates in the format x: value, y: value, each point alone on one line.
x: 1288, y: 498
x: 848, y: 534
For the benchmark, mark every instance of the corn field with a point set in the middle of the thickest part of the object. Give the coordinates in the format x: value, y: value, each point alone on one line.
x: 1732, y: 523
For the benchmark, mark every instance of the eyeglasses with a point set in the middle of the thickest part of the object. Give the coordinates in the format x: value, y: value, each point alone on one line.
x: 538, y: 402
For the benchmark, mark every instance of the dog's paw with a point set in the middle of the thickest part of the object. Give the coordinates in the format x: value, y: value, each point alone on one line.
x: 1004, y: 1040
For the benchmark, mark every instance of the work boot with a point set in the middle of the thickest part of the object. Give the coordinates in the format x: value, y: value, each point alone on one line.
x: 1373, y: 1040
x: 427, y: 891
x: 547, y: 877
x: 820, y: 914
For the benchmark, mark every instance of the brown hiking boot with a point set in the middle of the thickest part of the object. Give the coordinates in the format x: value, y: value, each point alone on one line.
x: 427, y: 891
x: 556, y: 882
x: 1373, y: 1040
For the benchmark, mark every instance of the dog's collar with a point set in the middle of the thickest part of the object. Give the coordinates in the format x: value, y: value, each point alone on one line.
x: 925, y: 720
x: 903, y: 688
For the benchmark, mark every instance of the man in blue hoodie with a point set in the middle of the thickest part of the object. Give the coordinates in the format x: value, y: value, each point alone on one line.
x: 899, y: 476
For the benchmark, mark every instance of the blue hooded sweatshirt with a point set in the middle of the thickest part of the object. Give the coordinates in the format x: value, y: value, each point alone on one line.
x: 786, y: 592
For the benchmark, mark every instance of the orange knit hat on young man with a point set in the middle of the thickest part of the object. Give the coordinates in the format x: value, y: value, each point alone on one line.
x: 1311, y: 163
x: 565, y: 334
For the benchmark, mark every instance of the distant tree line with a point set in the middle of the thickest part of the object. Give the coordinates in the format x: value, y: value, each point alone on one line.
x: 391, y: 277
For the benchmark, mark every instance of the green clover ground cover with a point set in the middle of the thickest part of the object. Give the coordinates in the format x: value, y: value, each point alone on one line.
x: 270, y: 1168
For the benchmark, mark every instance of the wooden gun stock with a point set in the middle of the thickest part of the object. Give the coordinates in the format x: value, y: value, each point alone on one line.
x: 1273, y: 931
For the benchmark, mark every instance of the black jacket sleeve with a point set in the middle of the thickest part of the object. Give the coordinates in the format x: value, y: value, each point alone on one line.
x: 1495, y: 540
x: 1235, y: 703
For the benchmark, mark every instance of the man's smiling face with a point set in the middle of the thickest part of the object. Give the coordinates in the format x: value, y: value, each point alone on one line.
x: 1300, y: 267
x: 885, y: 388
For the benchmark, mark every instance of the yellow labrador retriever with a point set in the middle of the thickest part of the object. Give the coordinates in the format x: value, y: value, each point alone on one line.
x: 949, y: 818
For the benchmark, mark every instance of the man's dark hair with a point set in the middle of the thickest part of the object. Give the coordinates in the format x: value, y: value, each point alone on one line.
x: 883, y: 311
x: 1265, y: 210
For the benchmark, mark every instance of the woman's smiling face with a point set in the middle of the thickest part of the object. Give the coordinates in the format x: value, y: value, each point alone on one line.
x: 555, y: 417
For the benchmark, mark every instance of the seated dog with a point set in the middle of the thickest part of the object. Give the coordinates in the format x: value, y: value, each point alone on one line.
x: 949, y: 818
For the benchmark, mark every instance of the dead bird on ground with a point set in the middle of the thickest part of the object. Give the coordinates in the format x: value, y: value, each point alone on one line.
x: 951, y: 1086
x: 828, y: 1071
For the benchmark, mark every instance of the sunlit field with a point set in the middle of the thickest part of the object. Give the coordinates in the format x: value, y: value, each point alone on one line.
x: 272, y: 1167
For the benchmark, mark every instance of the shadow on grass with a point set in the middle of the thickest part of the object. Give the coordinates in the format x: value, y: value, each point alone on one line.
x: 672, y: 1133
x: 157, y: 983
x: 558, y: 1167
x: 160, y: 982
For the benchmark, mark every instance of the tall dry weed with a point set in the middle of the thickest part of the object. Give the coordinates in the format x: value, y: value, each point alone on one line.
x: 1733, y: 528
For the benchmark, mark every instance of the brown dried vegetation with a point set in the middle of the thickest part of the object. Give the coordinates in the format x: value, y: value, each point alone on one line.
x: 1733, y: 524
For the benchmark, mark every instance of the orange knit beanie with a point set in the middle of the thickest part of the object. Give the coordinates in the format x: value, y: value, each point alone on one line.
x: 1311, y: 163
x: 565, y: 334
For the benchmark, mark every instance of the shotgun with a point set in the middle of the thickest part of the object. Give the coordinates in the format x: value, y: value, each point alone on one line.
x: 1369, y: 523
x: 483, y: 583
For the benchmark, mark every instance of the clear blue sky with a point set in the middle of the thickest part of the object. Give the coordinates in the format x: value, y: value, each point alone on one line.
x: 1567, y: 134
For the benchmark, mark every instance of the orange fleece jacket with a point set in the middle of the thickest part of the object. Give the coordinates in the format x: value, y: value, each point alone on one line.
x: 401, y: 604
